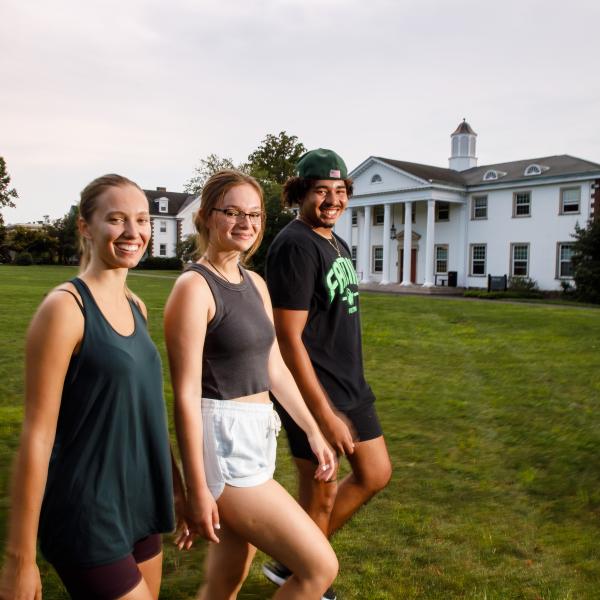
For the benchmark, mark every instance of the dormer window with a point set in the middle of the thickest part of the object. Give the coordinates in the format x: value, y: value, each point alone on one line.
x: 490, y: 175
x: 533, y: 170
x: 376, y: 178
x: 163, y: 205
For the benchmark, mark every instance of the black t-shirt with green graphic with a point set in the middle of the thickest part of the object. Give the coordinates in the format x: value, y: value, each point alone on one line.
x: 304, y: 272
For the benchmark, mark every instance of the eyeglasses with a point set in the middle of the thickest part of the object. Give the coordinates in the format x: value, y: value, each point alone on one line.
x: 233, y: 215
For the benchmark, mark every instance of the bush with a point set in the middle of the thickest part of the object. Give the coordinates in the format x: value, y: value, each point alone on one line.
x: 522, y: 284
x: 159, y: 262
x: 24, y: 259
x: 586, y: 261
x: 502, y: 295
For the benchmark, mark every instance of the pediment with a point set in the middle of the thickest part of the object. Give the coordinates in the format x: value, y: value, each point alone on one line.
x: 414, y: 236
x: 374, y: 176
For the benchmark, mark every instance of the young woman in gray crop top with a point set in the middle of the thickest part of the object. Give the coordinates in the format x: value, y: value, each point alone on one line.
x: 224, y: 360
x: 93, y: 473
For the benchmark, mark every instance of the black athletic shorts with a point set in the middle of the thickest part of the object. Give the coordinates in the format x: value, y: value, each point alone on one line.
x: 363, y: 420
x: 109, y: 582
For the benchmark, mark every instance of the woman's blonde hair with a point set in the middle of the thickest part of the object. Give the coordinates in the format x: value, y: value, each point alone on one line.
x: 88, y: 204
x: 213, y: 191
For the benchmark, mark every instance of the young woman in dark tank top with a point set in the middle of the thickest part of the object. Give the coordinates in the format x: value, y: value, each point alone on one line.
x: 224, y: 360
x: 93, y: 475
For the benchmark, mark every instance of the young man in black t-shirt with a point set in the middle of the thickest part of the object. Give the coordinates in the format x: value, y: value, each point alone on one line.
x: 314, y: 290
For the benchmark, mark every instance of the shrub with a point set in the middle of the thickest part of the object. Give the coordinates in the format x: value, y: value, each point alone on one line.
x: 160, y: 262
x: 24, y: 259
x: 522, y: 284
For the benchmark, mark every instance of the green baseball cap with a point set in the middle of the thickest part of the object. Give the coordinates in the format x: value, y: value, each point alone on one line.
x: 321, y: 164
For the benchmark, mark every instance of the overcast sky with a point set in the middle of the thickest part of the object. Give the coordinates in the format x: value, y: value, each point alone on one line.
x: 147, y: 88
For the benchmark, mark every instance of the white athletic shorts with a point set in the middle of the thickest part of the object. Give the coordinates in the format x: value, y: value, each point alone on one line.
x: 240, y: 442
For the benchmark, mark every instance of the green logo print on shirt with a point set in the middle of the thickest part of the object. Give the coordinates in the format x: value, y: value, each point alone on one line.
x: 339, y: 277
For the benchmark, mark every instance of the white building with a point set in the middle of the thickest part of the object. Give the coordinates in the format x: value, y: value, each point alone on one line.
x: 514, y: 218
x: 171, y: 215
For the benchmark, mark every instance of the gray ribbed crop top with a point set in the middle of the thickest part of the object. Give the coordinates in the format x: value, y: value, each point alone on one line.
x: 238, y: 339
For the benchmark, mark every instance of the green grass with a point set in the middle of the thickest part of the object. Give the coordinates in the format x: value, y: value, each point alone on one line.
x: 491, y: 414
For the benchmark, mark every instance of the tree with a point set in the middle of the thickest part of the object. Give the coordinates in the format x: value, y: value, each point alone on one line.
x: 40, y: 242
x: 65, y: 232
x: 276, y: 157
x: 586, y: 261
x: 277, y: 218
x: 7, y: 195
x: 209, y: 165
x: 185, y: 249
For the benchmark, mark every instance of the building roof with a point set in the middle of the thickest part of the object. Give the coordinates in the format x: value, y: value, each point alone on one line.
x: 464, y: 127
x: 552, y: 166
x: 177, y: 201
x: 426, y: 172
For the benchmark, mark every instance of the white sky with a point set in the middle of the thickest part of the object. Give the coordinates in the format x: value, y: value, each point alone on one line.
x: 147, y: 88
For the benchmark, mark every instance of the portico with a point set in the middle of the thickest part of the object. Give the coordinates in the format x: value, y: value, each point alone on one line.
x: 395, y: 241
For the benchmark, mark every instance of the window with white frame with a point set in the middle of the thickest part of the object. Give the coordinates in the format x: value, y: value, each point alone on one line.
x: 377, y: 259
x: 163, y: 206
x: 533, y: 170
x: 378, y: 212
x: 479, y: 207
x: 376, y: 178
x: 442, y: 211
x: 354, y: 217
x: 163, y: 227
x: 478, y: 259
x: 570, y: 199
x: 519, y: 262
x: 441, y: 259
x: 162, y: 250
x: 522, y: 204
x: 490, y: 175
x: 404, y: 213
x: 564, y: 260
x: 353, y: 256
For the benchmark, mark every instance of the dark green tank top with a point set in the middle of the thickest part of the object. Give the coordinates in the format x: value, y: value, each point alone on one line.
x: 109, y: 479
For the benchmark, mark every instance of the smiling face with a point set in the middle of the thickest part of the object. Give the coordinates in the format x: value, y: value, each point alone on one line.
x: 324, y: 203
x: 118, y: 230
x: 229, y: 233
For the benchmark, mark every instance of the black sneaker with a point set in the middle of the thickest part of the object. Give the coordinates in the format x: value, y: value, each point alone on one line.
x: 329, y: 594
x: 275, y: 572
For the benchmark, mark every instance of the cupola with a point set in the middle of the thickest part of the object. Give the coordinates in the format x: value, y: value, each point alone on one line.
x: 463, y: 142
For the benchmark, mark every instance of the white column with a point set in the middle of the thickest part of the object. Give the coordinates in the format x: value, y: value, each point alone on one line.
x: 348, y: 228
x: 387, y: 214
x: 407, y: 244
x: 429, y: 243
x: 360, y: 250
x: 366, y: 244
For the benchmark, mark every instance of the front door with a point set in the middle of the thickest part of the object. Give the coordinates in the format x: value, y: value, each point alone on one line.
x: 413, y: 265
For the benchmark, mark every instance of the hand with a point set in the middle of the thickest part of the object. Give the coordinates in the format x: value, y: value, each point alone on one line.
x: 328, y: 463
x: 201, y: 519
x: 338, y: 434
x: 20, y: 580
x: 181, y: 528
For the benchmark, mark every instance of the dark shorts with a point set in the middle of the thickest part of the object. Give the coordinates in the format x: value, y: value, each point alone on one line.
x: 363, y: 422
x: 109, y: 582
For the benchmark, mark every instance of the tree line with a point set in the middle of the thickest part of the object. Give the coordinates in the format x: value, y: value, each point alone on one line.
x: 271, y: 163
x: 56, y: 242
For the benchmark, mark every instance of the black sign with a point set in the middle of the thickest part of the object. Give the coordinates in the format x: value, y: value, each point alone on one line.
x: 497, y: 283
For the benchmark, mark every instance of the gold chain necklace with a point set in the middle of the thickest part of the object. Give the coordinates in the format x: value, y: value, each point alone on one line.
x: 334, y: 244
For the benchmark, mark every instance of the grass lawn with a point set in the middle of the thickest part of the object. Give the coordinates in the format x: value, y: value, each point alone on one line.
x: 491, y: 414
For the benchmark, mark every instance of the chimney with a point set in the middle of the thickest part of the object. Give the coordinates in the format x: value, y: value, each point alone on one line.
x: 161, y: 189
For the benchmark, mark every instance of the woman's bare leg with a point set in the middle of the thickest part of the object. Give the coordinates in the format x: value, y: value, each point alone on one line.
x: 270, y: 519
x: 227, y: 565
